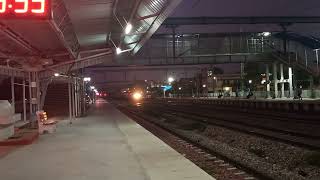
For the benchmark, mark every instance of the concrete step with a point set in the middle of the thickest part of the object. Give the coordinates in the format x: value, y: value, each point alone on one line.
x: 17, y: 117
x: 21, y: 123
x: 6, y: 131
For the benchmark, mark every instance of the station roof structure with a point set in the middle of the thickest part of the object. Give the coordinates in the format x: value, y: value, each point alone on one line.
x: 79, y: 30
x: 88, y: 32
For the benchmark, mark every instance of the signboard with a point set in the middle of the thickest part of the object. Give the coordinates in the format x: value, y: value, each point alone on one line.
x: 19, y: 9
x: 166, y: 88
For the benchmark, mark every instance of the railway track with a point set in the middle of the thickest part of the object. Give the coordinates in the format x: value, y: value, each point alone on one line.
x: 298, y: 137
x: 214, y: 164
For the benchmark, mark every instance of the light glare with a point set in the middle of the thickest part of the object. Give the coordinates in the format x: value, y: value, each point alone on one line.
x: 119, y: 51
x: 170, y: 79
x: 128, y: 28
x: 137, y: 96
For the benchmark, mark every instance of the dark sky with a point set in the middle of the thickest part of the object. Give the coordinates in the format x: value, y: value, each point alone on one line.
x: 248, y: 8
x: 194, y: 8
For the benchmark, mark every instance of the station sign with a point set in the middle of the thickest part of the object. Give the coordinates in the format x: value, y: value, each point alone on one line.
x: 166, y: 88
x: 21, y: 9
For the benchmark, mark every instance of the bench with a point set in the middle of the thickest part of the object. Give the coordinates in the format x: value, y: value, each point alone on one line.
x: 45, y: 125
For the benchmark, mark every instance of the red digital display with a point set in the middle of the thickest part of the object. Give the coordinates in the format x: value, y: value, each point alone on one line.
x: 24, y: 8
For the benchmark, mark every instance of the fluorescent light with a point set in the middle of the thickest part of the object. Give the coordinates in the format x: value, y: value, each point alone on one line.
x: 128, y: 28
x: 119, y: 51
x: 170, y: 79
x: 266, y: 34
x: 87, y: 79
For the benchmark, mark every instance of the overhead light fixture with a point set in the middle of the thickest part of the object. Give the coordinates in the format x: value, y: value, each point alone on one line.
x: 87, y: 79
x: 266, y: 34
x: 170, y: 79
x: 128, y: 28
x: 118, y: 50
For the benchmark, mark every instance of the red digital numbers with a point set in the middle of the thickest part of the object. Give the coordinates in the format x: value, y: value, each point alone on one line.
x: 3, y: 6
x: 25, y: 4
x: 42, y: 6
x: 13, y: 8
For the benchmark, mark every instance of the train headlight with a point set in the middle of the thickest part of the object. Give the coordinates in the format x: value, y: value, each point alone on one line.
x: 137, y: 96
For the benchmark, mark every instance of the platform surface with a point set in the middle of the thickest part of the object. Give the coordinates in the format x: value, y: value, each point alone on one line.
x: 106, y: 145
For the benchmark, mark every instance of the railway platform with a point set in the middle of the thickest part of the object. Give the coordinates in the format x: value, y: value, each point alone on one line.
x: 104, y: 145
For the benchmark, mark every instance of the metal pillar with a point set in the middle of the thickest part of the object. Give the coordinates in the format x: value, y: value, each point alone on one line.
x: 313, y: 95
x: 242, y: 78
x: 84, y: 97
x: 70, y: 101
x: 282, y: 81
x: 275, y: 80
x: 24, y: 100
x: 174, y: 42
x: 268, y: 81
x: 291, y: 92
x: 75, y: 98
x: 317, y: 56
x: 13, y: 101
x: 30, y: 96
x: 38, y: 92
x: 35, y: 95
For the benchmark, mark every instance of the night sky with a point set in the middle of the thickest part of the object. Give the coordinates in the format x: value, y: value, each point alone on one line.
x: 248, y: 8
x: 225, y: 8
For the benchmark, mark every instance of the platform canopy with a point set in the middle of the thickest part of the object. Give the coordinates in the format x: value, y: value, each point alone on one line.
x: 77, y: 29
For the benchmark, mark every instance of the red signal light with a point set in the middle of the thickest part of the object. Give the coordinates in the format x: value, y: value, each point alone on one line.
x: 25, y: 8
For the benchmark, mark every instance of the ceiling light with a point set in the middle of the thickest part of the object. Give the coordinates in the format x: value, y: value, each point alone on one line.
x: 119, y: 51
x: 266, y: 34
x: 87, y: 79
x: 170, y: 79
x: 128, y: 28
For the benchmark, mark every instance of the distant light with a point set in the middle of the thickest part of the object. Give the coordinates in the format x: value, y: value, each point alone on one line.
x: 266, y: 34
x: 170, y: 79
x: 180, y: 88
x: 92, y: 87
x: 227, y: 88
x: 87, y: 79
x: 250, y: 81
x: 128, y: 28
x: 118, y: 50
x: 204, y: 86
x: 56, y: 74
x: 214, y: 78
x: 137, y: 96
